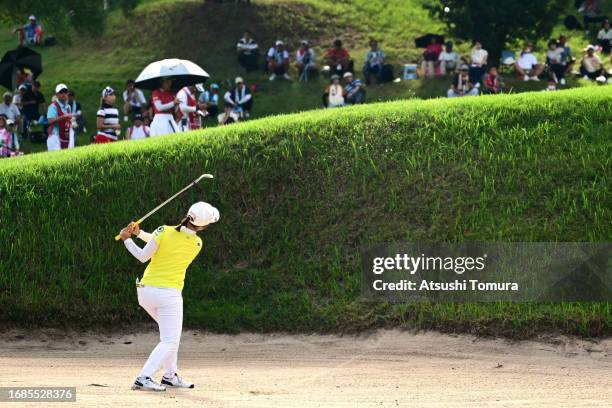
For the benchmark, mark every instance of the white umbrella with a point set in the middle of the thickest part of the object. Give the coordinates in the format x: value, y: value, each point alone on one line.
x: 182, y: 72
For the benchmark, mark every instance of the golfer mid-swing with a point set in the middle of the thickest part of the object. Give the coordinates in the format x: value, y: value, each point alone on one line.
x: 171, y: 250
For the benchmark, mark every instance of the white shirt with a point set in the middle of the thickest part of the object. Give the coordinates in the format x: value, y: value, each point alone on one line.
x: 449, y: 56
x: 11, y: 111
x: 138, y: 98
x: 527, y: 60
x: 555, y: 56
x: 279, y: 56
x: 605, y: 35
x: 139, y: 132
x: 479, y: 57
x: 183, y: 96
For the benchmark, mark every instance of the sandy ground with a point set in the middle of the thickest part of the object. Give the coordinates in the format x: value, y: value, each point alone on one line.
x: 382, y: 369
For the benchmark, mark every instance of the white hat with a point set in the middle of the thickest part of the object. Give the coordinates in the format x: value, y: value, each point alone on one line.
x: 278, y: 42
x: 22, y: 86
x: 347, y: 74
x: 32, y: 17
x: 590, y: 47
x: 239, y: 80
x: 509, y: 60
x: 60, y: 87
x: 4, y: 95
x: 202, y: 214
x: 107, y: 91
x: 199, y: 87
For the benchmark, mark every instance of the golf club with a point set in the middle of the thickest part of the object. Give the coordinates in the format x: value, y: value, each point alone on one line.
x: 153, y: 211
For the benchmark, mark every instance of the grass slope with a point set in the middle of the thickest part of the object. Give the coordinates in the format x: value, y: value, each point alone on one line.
x: 299, y: 195
x: 206, y: 32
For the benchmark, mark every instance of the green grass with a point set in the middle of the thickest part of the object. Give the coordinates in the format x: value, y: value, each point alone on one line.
x: 207, y: 33
x: 299, y: 195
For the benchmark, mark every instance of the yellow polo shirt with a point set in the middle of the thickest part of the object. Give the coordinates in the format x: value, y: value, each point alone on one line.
x: 176, y: 250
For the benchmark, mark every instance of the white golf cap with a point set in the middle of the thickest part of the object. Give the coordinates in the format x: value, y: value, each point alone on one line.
x: 60, y: 87
x: 4, y: 95
x: 590, y: 47
x: 22, y: 86
x: 32, y: 17
x: 239, y: 80
x: 347, y: 74
x: 279, y: 42
x: 202, y: 214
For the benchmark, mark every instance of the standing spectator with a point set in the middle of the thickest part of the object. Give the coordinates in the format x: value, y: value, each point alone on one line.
x: 9, y: 143
x: 31, y: 103
x: 190, y: 113
x: 9, y: 109
x: 30, y: 33
x: 338, y: 60
x: 239, y: 98
x: 449, y: 59
x: 138, y: 130
x: 334, y: 93
x: 77, y: 111
x: 566, y: 58
x: 527, y: 65
x: 478, y: 63
x: 60, y: 120
x: 22, y: 77
x: 353, y: 90
x: 591, y: 66
x: 554, y: 59
x: 430, y: 58
x: 164, y: 103
x: 210, y: 99
x: 305, y: 60
x: 493, y: 83
x: 374, y: 62
x: 248, y: 52
x: 604, y: 37
x: 278, y: 61
x: 107, y: 121
x: 134, y: 100
x: 462, y: 86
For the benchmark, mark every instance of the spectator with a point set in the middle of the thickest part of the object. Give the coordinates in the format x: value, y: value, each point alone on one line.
x: 248, y: 52
x: 210, y: 99
x: 239, y: 99
x: 478, y: 63
x: 449, y: 59
x: 278, y: 61
x: 305, y: 60
x: 354, y: 91
x: 107, y: 121
x: 77, y: 111
x: 60, y: 120
x: 22, y: 77
x: 134, y: 100
x: 30, y: 33
x: 334, y: 93
x: 590, y: 11
x: 554, y: 60
x: 374, y: 62
x: 164, y: 103
x: 9, y: 143
x: 9, y: 109
x: 18, y: 98
x: 591, y: 66
x: 31, y: 102
x: 138, y: 130
x: 462, y: 86
x: 190, y: 113
x: 430, y: 58
x: 566, y: 58
x: 604, y: 37
x: 527, y: 65
x: 228, y: 116
x: 493, y: 83
x: 338, y: 60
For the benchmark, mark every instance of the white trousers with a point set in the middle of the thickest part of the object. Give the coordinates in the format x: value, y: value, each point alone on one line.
x: 163, y: 124
x: 165, y: 305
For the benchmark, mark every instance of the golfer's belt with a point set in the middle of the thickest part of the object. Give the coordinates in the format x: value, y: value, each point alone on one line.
x: 138, y: 284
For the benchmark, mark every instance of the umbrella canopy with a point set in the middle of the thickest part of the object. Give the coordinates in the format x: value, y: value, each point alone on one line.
x: 424, y: 40
x: 182, y: 72
x: 20, y: 58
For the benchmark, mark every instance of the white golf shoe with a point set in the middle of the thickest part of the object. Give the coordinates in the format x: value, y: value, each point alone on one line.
x: 176, y: 382
x: 147, y: 384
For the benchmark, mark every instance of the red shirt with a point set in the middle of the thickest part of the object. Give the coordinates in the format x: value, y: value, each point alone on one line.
x: 163, y: 97
x: 434, y: 49
x: 336, y: 55
x: 492, y: 81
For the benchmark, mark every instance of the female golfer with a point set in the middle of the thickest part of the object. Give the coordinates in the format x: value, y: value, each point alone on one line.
x: 171, y: 249
x: 164, y: 103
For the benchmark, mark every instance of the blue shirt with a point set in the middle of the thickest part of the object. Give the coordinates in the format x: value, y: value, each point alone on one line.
x: 208, y: 97
x: 52, y: 113
x: 30, y: 30
x: 351, y: 87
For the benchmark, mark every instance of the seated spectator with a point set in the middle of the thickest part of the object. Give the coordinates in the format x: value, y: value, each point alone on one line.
x: 374, y: 62
x: 306, y: 61
x: 354, y: 91
x: 449, y: 59
x: 430, y: 58
x: 591, y: 66
x: 554, y: 60
x: 30, y: 33
x: 138, y: 130
x: 9, y: 143
x: 604, y: 37
x: 462, y: 86
x: 338, y: 60
x: 278, y: 61
x: 478, y: 63
x: 527, y: 65
x: 333, y: 96
x: 77, y: 111
x: 9, y: 109
x: 17, y: 99
x: 239, y: 99
x: 228, y: 116
x: 248, y: 52
x: 566, y: 58
x: 134, y: 100
x: 210, y: 99
x: 493, y: 82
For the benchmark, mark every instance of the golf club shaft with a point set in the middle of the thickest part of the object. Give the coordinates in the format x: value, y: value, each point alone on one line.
x: 153, y: 211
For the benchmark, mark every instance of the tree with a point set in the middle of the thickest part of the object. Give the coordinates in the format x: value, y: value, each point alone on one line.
x: 498, y: 23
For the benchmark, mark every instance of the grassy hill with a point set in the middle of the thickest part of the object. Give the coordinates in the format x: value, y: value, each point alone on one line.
x: 298, y: 196
x: 206, y: 32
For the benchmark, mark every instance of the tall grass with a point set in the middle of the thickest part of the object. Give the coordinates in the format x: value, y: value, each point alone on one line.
x: 299, y: 195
